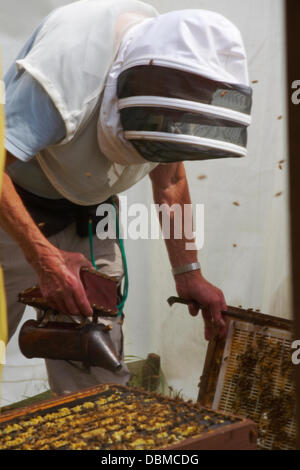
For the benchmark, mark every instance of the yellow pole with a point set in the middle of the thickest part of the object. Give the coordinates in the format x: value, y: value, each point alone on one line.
x: 3, y: 317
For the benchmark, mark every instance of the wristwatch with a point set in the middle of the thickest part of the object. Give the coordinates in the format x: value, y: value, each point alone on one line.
x: 186, y: 268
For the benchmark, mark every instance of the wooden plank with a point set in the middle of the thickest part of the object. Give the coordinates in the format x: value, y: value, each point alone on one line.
x: 249, y: 315
x: 151, y: 372
x: 55, y: 401
x: 238, y: 436
x: 258, y: 318
x: 28, y: 401
x: 211, y: 369
x: 293, y: 73
x: 135, y: 367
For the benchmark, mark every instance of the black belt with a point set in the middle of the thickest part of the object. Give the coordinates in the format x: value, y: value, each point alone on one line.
x: 54, y: 215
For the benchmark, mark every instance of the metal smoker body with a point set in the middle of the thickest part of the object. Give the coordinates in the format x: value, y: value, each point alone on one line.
x: 88, y: 343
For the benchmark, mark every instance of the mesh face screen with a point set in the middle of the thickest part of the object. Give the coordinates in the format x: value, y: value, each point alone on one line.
x: 176, y: 152
x: 185, y: 123
x: 216, y: 114
x: 173, y: 83
x: 256, y: 380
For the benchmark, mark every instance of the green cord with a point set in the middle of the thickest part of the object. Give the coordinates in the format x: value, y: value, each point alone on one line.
x: 91, y: 244
x: 122, y: 248
x: 126, y: 281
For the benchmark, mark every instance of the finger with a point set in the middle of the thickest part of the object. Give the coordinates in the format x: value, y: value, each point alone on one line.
x: 67, y: 305
x: 64, y: 301
x: 81, y: 301
x: 57, y: 303
x: 215, y: 310
x: 223, y: 301
x: 84, y: 263
x: 70, y: 304
x: 223, y: 331
x: 208, y: 325
x: 193, y: 309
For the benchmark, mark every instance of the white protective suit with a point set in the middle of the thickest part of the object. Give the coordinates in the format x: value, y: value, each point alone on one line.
x: 70, y: 58
x: 89, y: 44
x: 79, y: 57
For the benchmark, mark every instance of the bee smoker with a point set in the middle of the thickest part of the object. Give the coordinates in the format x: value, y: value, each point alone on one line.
x: 89, y: 343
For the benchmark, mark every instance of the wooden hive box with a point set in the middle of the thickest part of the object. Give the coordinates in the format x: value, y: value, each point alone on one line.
x: 112, y: 417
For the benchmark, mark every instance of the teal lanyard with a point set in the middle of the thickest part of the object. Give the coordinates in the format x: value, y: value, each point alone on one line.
x: 122, y: 248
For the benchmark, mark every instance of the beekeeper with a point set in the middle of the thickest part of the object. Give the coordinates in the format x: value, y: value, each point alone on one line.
x: 103, y: 94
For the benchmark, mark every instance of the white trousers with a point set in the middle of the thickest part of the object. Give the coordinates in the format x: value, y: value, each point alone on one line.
x: 64, y: 377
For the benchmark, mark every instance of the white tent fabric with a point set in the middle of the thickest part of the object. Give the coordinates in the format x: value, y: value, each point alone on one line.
x: 245, y: 205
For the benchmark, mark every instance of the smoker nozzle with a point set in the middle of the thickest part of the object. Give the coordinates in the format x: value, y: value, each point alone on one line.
x: 90, y: 344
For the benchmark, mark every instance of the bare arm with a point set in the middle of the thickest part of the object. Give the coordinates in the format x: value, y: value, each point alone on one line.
x: 170, y: 187
x: 57, y: 271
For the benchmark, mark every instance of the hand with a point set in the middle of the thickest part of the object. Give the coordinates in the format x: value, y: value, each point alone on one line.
x: 60, y: 284
x: 194, y: 287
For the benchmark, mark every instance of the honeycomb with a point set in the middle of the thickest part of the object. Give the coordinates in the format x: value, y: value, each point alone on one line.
x: 115, y: 418
x: 256, y: 381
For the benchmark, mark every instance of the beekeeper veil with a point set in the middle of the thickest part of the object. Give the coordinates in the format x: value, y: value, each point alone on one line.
x: 178, y: 90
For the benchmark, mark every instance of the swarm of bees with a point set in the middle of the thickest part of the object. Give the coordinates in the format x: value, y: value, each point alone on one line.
x: 115, y: 419
x: 262, y: 387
